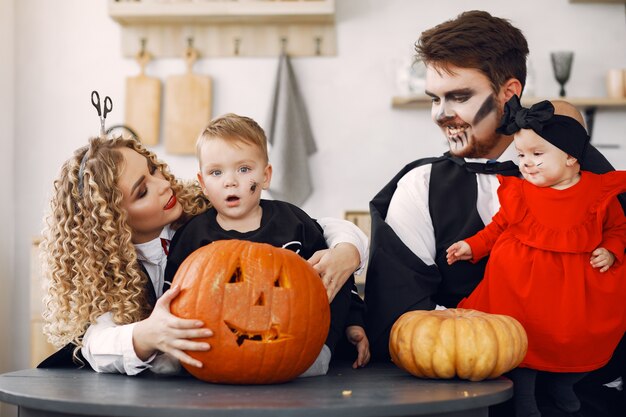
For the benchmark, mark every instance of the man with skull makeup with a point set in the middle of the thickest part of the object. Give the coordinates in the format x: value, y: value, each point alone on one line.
x: 474, y: 65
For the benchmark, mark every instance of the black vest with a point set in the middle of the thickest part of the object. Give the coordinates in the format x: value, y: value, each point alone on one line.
x: 452, y: 204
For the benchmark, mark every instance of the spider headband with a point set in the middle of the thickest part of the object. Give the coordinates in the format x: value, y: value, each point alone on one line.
x: 564, y: 132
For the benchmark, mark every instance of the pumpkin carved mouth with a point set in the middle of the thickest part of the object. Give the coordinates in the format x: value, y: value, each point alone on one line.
x: 266, y: 336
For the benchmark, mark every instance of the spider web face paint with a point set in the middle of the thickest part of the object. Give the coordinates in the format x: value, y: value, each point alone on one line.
x: 253, y: 186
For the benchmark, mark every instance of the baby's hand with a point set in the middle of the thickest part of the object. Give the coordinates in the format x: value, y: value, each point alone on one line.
x: 459, y: 251
x: 602, y: 258
x: 356, y: 335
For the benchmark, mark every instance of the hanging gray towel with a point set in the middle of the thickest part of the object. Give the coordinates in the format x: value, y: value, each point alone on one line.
x: 291, y: 138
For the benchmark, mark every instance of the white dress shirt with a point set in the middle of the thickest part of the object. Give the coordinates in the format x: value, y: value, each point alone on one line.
x: 108, y: 347
x: 409, y: 214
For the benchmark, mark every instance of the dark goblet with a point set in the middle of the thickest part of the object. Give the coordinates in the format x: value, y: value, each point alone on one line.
x: 562, y: 66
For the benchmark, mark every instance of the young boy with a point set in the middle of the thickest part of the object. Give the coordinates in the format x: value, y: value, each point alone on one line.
x: 234, y: 168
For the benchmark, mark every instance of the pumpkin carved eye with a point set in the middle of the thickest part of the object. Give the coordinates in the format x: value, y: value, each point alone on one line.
x: 237, y: 276
x: 260, y: 301
x: 281, y: 280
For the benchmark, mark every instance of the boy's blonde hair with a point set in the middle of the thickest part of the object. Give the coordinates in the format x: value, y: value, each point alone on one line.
x: 89, y: 261
x: 233, y: 128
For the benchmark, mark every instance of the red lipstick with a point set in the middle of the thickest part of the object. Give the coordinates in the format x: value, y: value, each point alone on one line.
x: 170, y: 203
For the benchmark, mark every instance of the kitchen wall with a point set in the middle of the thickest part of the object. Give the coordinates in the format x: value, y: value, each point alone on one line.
x: 8, y: 278
x: 63, y: 49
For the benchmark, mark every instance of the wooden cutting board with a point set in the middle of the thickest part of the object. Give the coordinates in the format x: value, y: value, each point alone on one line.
x: 187, y: 108
x: 143, y: 103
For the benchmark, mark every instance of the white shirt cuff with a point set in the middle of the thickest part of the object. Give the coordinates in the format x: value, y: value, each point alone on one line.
x: 109, y: 348
x: 338, y: 231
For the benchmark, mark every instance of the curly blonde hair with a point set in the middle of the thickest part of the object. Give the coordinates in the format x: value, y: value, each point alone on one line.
x: 89, y: 259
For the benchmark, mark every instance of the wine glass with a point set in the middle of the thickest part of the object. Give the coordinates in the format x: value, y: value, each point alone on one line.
x: 562, y: 66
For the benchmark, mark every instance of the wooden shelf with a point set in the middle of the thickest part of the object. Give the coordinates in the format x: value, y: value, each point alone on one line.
x: 136, y: 12
x: 598, y: 1
x: 219, y: 28
x: 589, y: 105
x: 421, y: 101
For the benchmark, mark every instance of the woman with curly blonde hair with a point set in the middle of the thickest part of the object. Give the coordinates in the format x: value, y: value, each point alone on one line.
x: 114, y: 208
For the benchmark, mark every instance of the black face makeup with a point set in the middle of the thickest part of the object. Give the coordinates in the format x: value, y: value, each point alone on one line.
x: 489, y: 105
x: 467, y: 111
x: 253, y: 187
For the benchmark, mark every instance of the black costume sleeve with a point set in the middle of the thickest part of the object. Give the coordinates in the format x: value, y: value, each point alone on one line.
x: 313, y: 240
x: 184, y: 242
x: 356, y: 315
x: 397, y: 280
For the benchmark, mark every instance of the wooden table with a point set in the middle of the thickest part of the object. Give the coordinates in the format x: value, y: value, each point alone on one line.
x: 377, y: 390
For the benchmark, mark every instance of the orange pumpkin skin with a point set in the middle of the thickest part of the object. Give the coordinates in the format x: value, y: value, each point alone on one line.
x: 462, y: 343
x: 266, y: 306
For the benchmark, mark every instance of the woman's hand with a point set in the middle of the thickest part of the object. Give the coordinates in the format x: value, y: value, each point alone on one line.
x: 165, y: 332
x: 356, y: 335
x: 335, y: 266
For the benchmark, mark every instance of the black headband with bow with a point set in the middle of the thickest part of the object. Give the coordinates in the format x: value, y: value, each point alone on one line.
x: 564, y: 132
x: 517, y: 117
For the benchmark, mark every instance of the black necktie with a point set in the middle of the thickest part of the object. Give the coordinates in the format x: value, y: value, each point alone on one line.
x: 507, y: 168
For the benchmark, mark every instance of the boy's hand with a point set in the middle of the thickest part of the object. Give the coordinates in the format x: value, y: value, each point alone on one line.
x: 162, y: 331
x: 335, y: 266
x: 356, y: 335
x: 602, y: 258
x: 459, y: 251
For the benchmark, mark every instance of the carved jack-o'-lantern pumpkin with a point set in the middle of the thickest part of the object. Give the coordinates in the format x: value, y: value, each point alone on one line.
x: 266, y: 306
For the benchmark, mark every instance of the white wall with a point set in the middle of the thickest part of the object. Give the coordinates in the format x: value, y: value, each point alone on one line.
x: 7, y: 213
x: 8, y: 278
x: 66, y: 48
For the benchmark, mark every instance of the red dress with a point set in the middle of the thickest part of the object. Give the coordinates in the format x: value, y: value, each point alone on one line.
x: 539, y: 272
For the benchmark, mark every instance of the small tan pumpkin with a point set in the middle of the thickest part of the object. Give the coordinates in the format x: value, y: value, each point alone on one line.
x: 468, y: 344
x: 266, y: 306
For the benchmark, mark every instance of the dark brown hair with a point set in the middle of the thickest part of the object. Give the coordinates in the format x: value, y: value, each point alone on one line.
x: 475, y: 39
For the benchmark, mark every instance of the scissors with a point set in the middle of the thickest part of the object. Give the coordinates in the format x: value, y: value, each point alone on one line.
x: 102, y: 112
